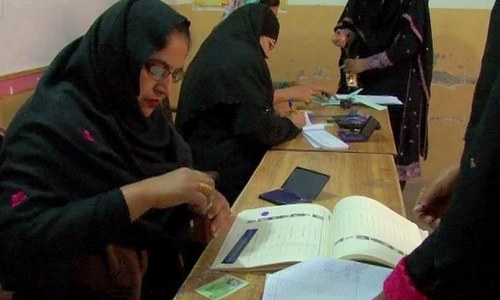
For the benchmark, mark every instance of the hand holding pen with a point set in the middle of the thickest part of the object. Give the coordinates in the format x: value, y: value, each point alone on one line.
x: 431, y: 213
x: 290, y: 106
x: 434, y: 200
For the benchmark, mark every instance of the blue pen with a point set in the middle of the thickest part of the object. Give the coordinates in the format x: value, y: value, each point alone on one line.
x: 290, y: 104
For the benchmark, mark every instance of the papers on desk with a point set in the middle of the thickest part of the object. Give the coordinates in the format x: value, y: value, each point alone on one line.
x: 326, y: 278
x: 319, y: 138
x: 373, y: 101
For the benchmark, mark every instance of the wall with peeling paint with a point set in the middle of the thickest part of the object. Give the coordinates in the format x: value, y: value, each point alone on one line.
x: 304, y: 45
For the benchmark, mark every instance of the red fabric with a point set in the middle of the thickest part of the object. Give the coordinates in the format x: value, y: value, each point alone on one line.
x: 399, y: 285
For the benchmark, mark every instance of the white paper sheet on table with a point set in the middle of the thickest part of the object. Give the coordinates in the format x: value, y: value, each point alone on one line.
x: 311, y: 126
x: 319, y: 138
x: 377, y: 102
x: 382, y: 100
x: 326, y: 278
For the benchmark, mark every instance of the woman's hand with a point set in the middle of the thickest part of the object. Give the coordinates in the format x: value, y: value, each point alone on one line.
x: 218, y: 214
x: 434, y: 200
x: 183, y: 185
x: 303, y: 93
x: 342, y: 37
x: 298, y: 118
x: 355, y: 65
x: 283, y: 109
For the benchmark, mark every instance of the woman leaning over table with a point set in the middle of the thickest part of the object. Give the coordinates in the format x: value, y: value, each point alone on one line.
x: 95, y: 182
x: 460, y: 260
x: 283, y: 90
x: 388, y: 46
x: 225, y: 107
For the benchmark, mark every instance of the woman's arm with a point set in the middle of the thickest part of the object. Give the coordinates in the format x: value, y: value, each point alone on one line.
x: 404, y: 48
x: 261, y: 125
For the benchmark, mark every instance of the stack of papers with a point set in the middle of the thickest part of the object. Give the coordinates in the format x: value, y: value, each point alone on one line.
x: 326, y: 278
x: 319, y: 138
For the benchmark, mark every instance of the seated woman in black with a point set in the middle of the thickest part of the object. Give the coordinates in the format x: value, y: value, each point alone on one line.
x: 93, y: 184
x: 225, y: 107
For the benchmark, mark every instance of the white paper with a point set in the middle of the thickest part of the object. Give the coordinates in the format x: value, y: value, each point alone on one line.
x: 277, y: 237
x: 326, y: 278
x: 312, y: 142
x: 308, y: 120
x: 377, y: 102
x: 313, y: 127
x: 325, y: 140
x: 318, y: 137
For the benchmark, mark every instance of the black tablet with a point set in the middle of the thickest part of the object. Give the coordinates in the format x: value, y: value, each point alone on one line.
x: 302, y: 186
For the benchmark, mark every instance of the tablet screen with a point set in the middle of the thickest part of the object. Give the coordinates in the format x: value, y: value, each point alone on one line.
x: 305, y: 183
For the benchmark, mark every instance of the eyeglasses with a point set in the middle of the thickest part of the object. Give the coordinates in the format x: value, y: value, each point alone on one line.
x: 159, y: 71
x: 272, y: 44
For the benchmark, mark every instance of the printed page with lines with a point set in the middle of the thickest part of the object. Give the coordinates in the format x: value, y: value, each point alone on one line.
x: 271, y: 236
x: 366, y: 230
x: 360, y: 228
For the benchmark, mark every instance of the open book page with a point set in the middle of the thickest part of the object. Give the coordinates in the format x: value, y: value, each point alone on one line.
x: 326, y: 278
x: 275, y: 235
x: 366, y: 230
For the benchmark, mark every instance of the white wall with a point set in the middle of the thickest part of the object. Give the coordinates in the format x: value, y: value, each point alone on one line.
x: 465, y: 4
x: 32, y: 32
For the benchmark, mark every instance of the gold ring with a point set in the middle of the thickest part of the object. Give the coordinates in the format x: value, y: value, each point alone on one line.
x: 205, y: 189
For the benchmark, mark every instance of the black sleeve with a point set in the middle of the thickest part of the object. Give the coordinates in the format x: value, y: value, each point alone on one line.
x: 261, y: 125
x: 48, y: 214
x: 459, y: 260
x: 39, y: 239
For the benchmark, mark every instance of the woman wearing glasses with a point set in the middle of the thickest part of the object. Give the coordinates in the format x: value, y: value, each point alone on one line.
x: 284, y: 91
x: 95, y: 181
x: 225, y: 107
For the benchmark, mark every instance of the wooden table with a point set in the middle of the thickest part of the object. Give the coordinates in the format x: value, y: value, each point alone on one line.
x: 381, y: 141
x: 371, y: 175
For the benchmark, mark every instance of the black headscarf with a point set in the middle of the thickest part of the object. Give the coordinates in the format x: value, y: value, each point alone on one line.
x: 220, y: 72
x: 80, y: 138
x: 105, y: 77
x: 226, y: 101
x: 270, y: 27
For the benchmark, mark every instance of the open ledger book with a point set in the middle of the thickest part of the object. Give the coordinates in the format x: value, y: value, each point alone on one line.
x: 359, y: 228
